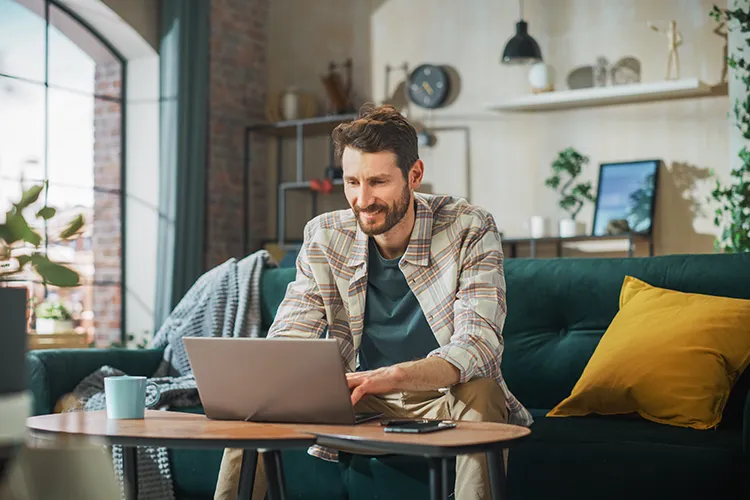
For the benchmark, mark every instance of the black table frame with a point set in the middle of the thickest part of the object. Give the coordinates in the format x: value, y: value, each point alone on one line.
x: 438, y: 459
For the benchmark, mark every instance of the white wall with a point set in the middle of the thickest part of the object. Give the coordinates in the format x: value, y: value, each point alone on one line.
x: 141, y: 15
x: 509, y: 155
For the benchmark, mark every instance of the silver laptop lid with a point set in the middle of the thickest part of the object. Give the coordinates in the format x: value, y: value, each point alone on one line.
x: 271, y: 380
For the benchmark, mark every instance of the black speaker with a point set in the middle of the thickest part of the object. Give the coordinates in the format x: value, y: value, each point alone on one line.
x: 14, y: 400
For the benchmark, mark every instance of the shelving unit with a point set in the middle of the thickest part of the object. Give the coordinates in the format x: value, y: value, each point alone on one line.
x: 610, y: 95
x: 297, y: 130
x: 622, y: 243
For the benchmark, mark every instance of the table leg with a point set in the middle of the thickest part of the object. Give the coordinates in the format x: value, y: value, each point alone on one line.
x: 496, y: 466
x: 247, y: 475
x: 274, y: 475
x: 130, y: 472
x: 438, y: 478
x: 446, y: 476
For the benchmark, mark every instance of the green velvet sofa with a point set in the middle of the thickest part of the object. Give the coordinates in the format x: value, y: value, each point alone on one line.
x: 558, y: 310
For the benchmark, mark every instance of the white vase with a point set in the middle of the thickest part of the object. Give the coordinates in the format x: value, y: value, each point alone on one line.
x: 538, y: 226
x: 46, y: 326
x: 542, y: 78
x: 570, y: 228
x: 290, y: 104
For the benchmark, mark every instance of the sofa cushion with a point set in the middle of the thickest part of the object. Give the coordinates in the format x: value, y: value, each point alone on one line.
x: 273, y: 284
x: 558, y: 309
x: 623, y: 458
x: 630, y: 430
x: 672, y: 357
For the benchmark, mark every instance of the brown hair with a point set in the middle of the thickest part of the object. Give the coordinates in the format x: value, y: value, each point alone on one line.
x: 377, y: 129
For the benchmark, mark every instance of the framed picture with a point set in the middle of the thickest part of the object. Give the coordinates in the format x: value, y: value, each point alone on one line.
x: 626, y: 197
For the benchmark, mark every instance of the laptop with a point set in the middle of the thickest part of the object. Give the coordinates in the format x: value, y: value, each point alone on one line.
x: 278, y: 380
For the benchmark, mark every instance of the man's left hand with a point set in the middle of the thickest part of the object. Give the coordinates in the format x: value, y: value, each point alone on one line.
x: 380, y: 381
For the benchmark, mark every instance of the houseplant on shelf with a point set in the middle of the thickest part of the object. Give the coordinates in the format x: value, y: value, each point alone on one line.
x: 21, y: 248
x: 52, y: 317
x: 732, y: 216
x: 569, y: 163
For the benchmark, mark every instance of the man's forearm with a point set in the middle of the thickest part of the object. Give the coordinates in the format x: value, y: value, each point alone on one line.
x: 425, y: 375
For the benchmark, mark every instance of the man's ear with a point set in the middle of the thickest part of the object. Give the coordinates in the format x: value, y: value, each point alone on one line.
x: 416, y: 174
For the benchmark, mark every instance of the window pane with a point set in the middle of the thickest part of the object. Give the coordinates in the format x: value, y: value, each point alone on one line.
x: 78, y: 60
x: 96, y: 253
x: 84, y: 142
x: 22, y: 39
x: 21, y: 130
x: 71, y: 142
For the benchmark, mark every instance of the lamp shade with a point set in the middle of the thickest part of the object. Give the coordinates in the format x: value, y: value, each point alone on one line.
x: 522, y: 48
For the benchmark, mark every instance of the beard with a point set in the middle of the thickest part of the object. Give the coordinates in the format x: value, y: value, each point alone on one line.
x: 393, y: 214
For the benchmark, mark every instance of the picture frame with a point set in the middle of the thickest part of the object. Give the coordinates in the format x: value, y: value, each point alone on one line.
x: 626, y: 197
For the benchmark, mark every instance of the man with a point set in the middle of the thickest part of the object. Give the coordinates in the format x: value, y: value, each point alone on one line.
x: 413, y: 288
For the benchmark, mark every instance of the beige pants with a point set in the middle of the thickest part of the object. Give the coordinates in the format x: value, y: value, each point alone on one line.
x: 477, y: 400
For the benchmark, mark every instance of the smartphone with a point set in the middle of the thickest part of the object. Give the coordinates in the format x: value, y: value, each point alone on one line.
x: 416, y: 426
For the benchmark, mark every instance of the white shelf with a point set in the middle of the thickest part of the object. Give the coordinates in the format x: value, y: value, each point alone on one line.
x: 605, y: 246
x: 605, y: 96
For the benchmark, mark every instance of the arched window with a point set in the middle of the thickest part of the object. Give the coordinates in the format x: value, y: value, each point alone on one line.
x: 62, y: 121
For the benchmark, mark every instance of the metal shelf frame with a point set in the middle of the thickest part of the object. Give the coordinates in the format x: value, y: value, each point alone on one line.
x: 297, y: 130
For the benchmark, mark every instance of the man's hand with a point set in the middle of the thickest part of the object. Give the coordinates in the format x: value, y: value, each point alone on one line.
x: 423, y: 375
x: 380, y: 381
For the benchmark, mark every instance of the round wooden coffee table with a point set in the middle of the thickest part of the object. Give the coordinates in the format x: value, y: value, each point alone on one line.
x: 438, y: 447
x: 180, y: 430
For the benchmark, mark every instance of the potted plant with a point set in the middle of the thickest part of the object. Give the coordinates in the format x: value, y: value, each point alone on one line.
x: 21, y: 248
x: 732, y: 215
x: 569, y: 163
x: 53, y: 317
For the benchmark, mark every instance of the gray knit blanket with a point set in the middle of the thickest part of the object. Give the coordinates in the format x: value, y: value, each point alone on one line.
x: 223, y: 302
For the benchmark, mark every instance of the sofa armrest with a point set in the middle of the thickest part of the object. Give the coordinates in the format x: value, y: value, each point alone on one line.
x: 51, y: 373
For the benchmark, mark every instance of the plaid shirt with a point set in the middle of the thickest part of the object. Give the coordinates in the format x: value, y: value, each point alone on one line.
x: 454, y: 266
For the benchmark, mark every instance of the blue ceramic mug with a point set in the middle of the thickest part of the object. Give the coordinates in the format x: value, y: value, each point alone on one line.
x: 126, y: 396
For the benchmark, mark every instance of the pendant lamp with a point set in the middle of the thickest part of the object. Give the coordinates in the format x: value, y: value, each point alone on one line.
x: 522, y: 48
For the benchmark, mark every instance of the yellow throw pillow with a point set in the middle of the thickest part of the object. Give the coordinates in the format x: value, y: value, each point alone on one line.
x: 671, y: 357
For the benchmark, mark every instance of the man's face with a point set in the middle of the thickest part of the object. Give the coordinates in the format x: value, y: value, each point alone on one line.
x: 376, y: 190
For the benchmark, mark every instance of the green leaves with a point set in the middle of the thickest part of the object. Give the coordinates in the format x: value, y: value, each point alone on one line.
x: 732, y: 215
x: 23, y: 260
x: 73, y: 227
x: 570, y: 162
x: 29, y: 197
x: 17, y: 229
x: 46, y: 213
x: 52, y: 273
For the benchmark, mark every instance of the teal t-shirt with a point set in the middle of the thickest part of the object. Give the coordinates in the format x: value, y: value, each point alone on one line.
x: 395, y: 328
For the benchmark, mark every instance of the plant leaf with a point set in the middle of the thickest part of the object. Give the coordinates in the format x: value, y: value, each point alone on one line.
x: 73, y: 227
x: 54, y: 274
x: 23, y: 260
x: 19, y: 230
x: 46, y: 213
x: 29, y: 197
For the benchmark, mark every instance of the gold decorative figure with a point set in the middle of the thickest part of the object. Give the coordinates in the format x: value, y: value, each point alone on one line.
x: 721, y: 30
x: 674, y: 38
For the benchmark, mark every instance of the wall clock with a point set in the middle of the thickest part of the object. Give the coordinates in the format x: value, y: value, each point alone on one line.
x: 429, y: 86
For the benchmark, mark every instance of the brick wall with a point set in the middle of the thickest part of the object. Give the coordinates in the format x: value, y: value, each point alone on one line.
x: 237, y: 94
x: 106, y: 240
